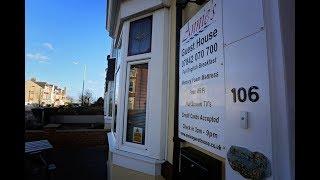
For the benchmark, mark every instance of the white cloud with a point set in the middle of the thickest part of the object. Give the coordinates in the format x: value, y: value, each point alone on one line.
x: 48, y: 45
x: 37, y: 57
x: 75, y: 62
x: 46, y: 62
x: 92, y: 82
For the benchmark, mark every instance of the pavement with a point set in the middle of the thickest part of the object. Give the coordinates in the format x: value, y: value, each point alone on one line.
x: 86, y: 163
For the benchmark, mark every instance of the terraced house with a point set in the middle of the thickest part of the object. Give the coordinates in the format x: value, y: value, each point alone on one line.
x: 43, y: 93
x: 201, y: 89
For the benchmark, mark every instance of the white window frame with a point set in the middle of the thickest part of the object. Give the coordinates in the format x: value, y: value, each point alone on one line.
x: 118, y: 48
x: 114, y: 100
x: 114, y: 116
x: 139, y: 147
x: 123, y: 99
x: 156, y: 117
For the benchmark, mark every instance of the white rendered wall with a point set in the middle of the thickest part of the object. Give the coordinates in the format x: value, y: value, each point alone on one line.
x: 246, y: 64
x: 131, y: 7
x: 255, y: 55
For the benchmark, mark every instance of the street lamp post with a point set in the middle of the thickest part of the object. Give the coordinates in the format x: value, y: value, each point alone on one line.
x: 84, y: 77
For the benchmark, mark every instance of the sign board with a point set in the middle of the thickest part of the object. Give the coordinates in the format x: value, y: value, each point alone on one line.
x: 202, y: 83
x: 137, y: 135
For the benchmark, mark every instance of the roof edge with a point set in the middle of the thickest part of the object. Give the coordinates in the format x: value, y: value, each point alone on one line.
x: 111, y: 16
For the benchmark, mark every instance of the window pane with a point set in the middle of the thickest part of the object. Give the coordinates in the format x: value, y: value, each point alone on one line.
x: 116, y: 98
x: 137, y: 103
x: 140, y: 36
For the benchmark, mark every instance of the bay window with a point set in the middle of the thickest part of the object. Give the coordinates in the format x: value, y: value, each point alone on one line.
x: 140, y: 94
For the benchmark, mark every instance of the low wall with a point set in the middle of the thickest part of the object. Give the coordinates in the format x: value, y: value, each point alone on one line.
x: 70, y: 138
x: 60, y: 119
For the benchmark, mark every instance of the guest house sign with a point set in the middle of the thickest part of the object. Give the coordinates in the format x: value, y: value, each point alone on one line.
x: 201, y: 83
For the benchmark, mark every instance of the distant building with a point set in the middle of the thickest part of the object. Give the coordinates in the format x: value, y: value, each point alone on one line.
x: 43, y: 93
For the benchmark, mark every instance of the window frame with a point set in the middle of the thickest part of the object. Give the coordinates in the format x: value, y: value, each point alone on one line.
x: 119, y: 60
x: 114, y: 116
x: 155, y: 143
x: 143, y: 147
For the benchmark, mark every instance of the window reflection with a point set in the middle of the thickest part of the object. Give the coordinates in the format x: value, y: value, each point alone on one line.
x: 137, y: 103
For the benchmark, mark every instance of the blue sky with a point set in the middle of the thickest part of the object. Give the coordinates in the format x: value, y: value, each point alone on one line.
x: 61, y: 37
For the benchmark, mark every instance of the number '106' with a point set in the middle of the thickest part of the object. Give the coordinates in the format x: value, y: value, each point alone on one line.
x: 241, y: 94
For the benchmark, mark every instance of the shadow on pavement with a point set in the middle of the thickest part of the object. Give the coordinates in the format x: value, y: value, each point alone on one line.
x: 85, y: 163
